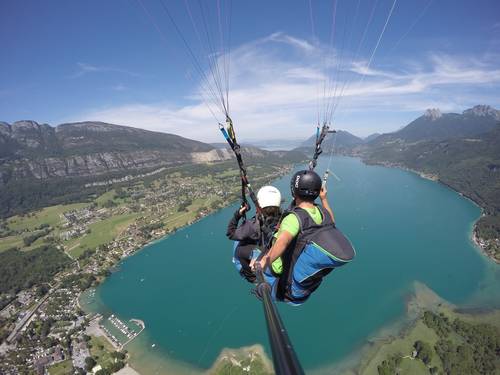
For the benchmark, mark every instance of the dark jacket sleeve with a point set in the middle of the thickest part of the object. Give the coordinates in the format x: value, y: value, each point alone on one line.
x: 233, y: 225
x: 245, y: 232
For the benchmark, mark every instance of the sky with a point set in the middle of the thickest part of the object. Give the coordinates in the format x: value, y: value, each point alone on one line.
x: 366, y: 66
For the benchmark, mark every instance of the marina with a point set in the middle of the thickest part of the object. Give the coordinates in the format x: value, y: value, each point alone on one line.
x: 119, y: 332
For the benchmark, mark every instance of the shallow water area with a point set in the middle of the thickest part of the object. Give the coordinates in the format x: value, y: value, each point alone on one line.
x: 404, y: 229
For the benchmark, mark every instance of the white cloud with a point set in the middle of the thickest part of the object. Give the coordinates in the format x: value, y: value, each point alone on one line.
x: 275, y: 82
x: 290, y: 40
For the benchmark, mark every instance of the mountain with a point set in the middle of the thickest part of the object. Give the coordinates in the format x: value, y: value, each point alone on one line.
x: 418, y: 138
x: 28, y: 138
x: 342, y: 141
x: 88, y: 149
x: 371, y: 137
x: 469, y: 165
x: 434, y: 125
x: 38, y: 161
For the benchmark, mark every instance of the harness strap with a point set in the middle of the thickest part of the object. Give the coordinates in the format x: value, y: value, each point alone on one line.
x: 230, y: 137
x: 320, y: 136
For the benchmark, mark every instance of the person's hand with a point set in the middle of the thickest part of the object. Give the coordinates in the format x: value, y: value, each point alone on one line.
x: 262, y: 262
x: 322, y: 193
x: 244, y: 208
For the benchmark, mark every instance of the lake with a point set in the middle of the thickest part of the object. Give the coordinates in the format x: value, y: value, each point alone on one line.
x: 404, y: 228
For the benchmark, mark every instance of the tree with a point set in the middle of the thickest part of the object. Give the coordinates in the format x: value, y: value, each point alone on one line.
x: 434, y: 370
x: 42, y: 290
x: 89, y: 363
x: 116, y: 366
x: 424, y: 351
x: 109, y: 203
x: 118, y: 355
x: 390, y: 366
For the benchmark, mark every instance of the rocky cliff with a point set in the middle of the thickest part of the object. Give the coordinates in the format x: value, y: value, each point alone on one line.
x: 40, y: 151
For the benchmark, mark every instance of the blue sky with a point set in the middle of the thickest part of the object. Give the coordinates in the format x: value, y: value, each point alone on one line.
x: 121, y: 61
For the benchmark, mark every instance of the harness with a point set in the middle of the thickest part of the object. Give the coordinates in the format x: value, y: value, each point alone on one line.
x: 325, y: 238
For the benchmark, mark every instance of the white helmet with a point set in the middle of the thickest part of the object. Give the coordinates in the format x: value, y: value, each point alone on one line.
x: 269, y: 196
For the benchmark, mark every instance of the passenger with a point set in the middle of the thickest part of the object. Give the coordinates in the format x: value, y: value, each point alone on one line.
x: 250, y: 233
x: 308, y: 246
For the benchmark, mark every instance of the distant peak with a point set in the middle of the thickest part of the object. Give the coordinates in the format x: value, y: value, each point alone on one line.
x: 483, y: 111
x: 25, y: 124
x: 4, y: 127
x: 433, y: 113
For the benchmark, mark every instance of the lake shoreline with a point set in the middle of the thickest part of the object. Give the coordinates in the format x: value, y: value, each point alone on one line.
x: 478, y: 242
x: 424, y: 299
x: 153, y: 241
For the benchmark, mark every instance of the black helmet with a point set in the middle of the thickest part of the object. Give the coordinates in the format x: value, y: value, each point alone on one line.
x: 305, y: 184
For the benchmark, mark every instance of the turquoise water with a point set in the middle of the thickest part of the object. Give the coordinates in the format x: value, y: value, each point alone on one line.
x: 404, y: 228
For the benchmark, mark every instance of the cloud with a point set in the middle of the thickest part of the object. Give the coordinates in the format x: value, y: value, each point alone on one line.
x: 279, y: 82
x: 290, y: 40
x: 84, y: 69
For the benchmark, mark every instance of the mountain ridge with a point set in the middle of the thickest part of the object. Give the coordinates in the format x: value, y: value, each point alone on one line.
x: 38, y: 161
x: 435, y: 125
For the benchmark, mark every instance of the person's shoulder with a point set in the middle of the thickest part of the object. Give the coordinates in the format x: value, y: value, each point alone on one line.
x: 290, y: 217
x: 291, y: 224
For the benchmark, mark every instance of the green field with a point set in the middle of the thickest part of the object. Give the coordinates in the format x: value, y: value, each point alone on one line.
x: 413, y: 367
x: 109, y: 195
x: 101, y: 233
x: 403, y: 346
x: 11, y: 241
x: 27, y: 225
x: 251, y: 360
x: 100, y: 350
x: 49, y: 215
x: 180, y: 219
x: 61, y: 368
x: 17, y: 241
